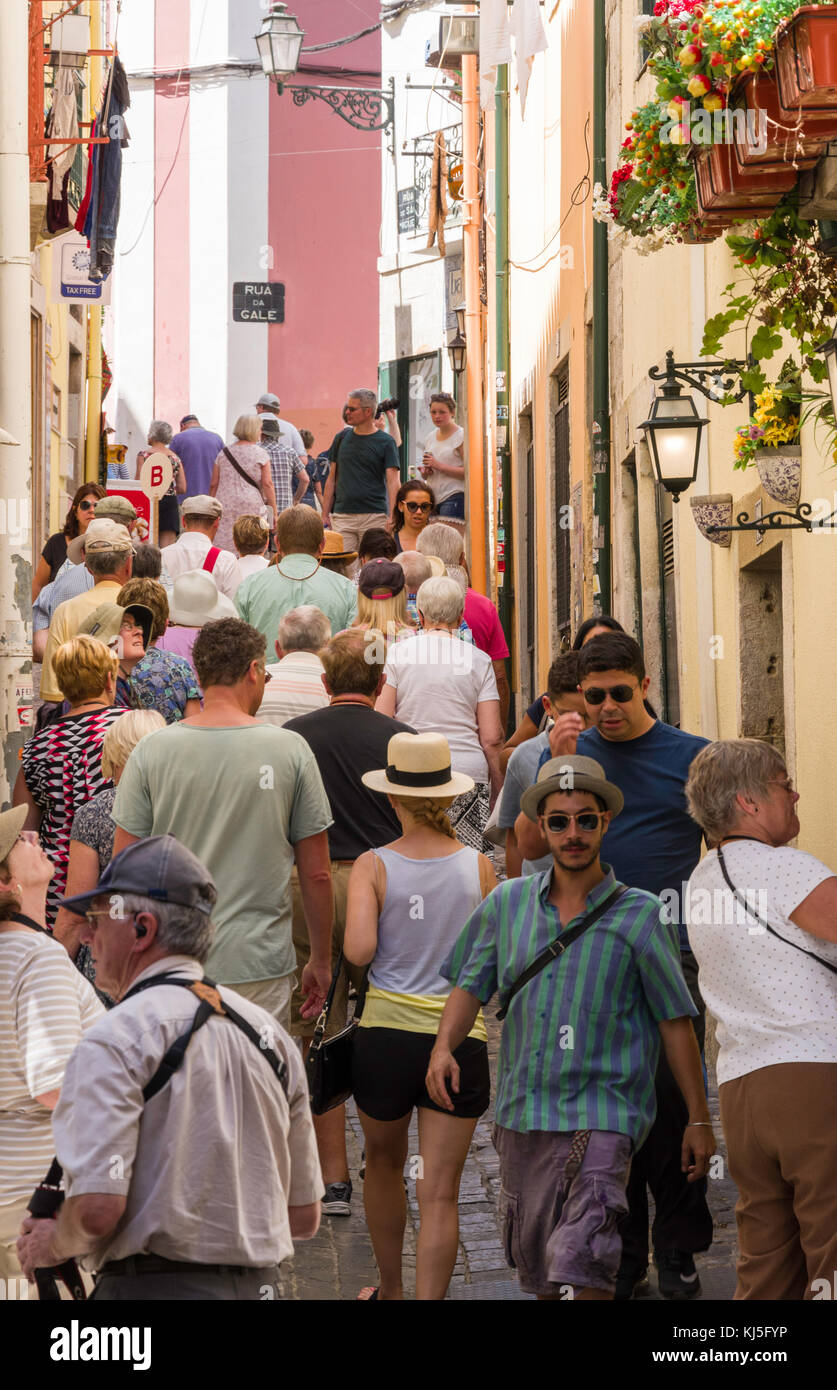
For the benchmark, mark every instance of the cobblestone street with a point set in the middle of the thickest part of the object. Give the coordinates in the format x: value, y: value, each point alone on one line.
x: 339, y: 1261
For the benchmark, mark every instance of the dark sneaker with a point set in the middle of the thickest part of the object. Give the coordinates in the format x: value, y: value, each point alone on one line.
x: 676, y: 1275
x: 338, y: 1199
x: 631, y: 1282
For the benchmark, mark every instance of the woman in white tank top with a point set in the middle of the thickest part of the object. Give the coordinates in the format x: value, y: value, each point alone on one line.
x: 407, y: 904
x: 443, y: 465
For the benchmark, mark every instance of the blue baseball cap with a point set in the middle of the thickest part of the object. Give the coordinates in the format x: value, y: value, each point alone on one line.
x: 159, y: 867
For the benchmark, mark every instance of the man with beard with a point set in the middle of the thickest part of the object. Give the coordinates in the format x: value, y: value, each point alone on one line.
x: 589, y: 974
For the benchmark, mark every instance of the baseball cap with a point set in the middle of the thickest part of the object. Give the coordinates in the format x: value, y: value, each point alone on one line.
x: 201, y: 505
x: 159, y: 867
x: 381, y: 579
x: 106, y: 620
x: 101, y: 534
x: 11, y: 824
x: 187, y: 420
x: 268, y: 399
x: 117, y: 508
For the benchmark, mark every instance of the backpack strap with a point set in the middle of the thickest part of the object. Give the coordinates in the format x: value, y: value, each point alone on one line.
x: 211, y: 559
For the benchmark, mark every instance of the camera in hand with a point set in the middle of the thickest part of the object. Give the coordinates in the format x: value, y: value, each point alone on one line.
x: 383, y: 406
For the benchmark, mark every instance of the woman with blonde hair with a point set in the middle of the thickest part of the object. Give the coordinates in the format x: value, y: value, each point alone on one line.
x: 407, y: 903
x: 93, y: 829
x: 61, y: 766
x: 241, y: 479
x: 382, y: 600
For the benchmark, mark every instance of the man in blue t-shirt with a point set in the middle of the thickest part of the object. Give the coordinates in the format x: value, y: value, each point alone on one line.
x: 654, y: 845
x: 365, y: 473
x: 197, y: 450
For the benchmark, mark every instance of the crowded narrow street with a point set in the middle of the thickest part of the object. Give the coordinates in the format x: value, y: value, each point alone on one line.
x: 418, y: 876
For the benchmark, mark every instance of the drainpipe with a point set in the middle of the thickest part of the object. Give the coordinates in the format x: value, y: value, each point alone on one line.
x: 601, y: 384
x: 15, y: 393
x: 473, y: 323
x: 505, y: 595
x: 93, y: 437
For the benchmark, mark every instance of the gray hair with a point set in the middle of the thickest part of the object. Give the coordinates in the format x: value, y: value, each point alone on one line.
x: 304, y: 629
x: 368, y: 399
x: 442, y: 541
x: 185, y: 931
x: 417, y: 568
x: 104, y: 562
x: 160, y: 432
x: 148, y: 561
x: 441, y: 601
x: 723, y: 770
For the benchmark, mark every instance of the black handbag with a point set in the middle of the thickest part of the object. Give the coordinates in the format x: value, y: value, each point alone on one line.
x: 328, y: 1066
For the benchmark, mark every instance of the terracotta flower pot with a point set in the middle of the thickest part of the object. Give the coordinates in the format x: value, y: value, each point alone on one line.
x: 724, y: 187
x: 780, y: 473
x: 764, y: 134
x: 806, y: 59
x: 715, y: 509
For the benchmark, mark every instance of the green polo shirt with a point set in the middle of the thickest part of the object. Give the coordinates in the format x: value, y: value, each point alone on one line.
x: 239, y: 798
x: 267, y: 596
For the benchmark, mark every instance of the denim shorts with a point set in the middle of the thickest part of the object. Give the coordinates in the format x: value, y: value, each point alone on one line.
x: 452, y: 507
x: 553, y: 1243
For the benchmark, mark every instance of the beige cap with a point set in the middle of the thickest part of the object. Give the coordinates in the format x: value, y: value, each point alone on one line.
x: 118, y: 508
x: 11, y: 824
x: 101, y: 534
x: 201, y: 505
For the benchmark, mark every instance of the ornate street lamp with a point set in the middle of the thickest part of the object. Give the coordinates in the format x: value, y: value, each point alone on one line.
x: 279, y: 42
x: 460, y: 319
x: 674, y: 431
x: 829, y: 351
x: 458, y: 353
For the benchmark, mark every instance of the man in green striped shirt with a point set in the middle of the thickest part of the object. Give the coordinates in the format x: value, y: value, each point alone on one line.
x: 575, y: 1082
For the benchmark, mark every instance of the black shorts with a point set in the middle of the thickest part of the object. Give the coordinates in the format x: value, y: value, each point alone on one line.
x: 388, y: 1070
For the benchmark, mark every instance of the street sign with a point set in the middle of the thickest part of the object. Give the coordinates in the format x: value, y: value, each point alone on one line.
x: 255, y: 302
x: 408, y: 209
x: 156, y: 475
x: 71, y: 272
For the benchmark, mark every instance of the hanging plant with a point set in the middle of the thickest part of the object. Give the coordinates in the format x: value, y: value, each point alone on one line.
x: 790, y: 287
x: 775, y: 420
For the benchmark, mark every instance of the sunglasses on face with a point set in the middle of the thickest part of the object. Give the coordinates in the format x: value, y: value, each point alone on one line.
x: 586, y: 821
x: 418, y: 506
x: 622, y: 694
x: 88, y: 505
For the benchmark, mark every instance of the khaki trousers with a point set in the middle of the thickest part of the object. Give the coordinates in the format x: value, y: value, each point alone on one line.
x: 780, y: 1124
x: 273, y: 995
x: 352, y: 525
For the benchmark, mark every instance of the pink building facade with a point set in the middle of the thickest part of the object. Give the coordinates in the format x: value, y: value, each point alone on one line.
x: 226, y: 182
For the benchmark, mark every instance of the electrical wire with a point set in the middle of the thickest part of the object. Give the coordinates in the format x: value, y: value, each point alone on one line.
x: 576, y: 200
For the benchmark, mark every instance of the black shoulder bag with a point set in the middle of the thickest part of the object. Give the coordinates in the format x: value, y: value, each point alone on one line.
x: 328, y: 1066
x: 560, y: 945
x: 752, y: 913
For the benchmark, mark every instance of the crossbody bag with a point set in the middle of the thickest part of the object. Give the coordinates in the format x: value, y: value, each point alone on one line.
x: 739, y: 897
x: 561, y: 944
x: 266, y: 510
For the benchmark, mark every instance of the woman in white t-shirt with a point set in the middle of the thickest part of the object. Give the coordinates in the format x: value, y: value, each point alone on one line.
x: 762, y: 921
x: 443, y: 466
x: 45, y: 1005
x: 439, y: 684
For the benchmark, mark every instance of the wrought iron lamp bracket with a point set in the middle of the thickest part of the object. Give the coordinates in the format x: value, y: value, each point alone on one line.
x: 800, y: 519
x: 363, y: 108
x: 698, y: 375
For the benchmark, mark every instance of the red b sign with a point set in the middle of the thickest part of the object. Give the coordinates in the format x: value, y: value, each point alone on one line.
x: 156, y: 475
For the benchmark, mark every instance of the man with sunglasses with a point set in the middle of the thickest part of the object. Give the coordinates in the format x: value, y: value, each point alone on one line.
x: 591, y: 980
x: 655, y: 845
x: 365, y: 473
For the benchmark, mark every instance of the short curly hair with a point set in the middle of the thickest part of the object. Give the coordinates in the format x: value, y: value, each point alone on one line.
x: 153, y: 595
x: 224, y: 650
x: 82, y: 666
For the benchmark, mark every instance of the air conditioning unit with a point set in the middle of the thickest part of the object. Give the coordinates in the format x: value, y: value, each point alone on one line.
x: 69, y: 41
x: 458, y: 34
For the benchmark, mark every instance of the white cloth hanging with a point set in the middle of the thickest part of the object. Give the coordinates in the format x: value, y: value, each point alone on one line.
x: 529, y: 38
x: 64, y: 125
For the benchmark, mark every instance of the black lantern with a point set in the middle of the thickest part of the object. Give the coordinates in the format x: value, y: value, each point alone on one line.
x: 458, y: 353
x: 279, y: 42
x: 674, y: 431
x: 829, y: 351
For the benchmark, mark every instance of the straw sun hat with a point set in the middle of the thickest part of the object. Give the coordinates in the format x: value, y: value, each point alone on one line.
x: 418, y: 765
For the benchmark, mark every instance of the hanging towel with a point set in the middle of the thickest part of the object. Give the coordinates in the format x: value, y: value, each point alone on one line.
x: 529, y: 39
x: 63, y: 125
x: 438, y: 197
x: 495, y: 46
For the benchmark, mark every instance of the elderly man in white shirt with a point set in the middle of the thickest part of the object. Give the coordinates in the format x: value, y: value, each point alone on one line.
x: 296, y: 686
x: 195, y: 549
x: 149, y: 1134
x: 762, y: 921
